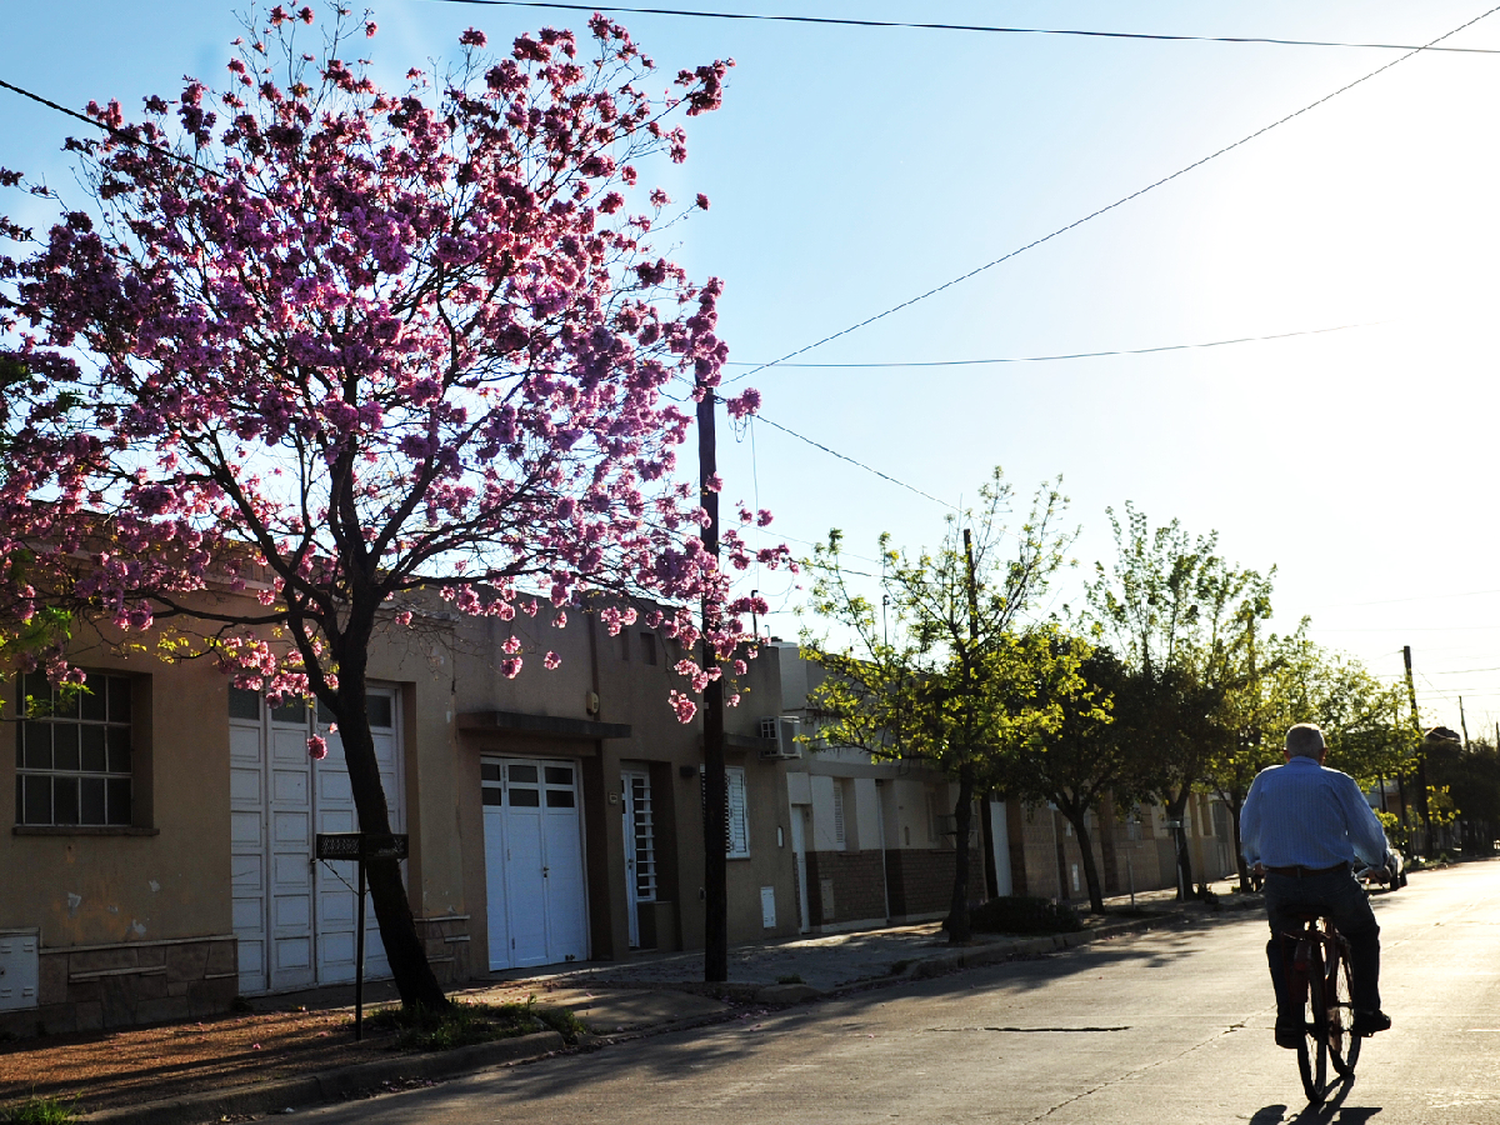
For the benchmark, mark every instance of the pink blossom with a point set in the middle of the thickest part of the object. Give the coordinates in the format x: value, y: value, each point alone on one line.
x: 744, y: 404
x: 702, y: 202
x: 317, y: 747
x: 473, y: 37
x: 551, y: 661
x: 683, y: 705
x: 370, y: 29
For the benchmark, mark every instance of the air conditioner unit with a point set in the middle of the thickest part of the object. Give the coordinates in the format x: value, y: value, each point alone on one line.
x: 782, y: 730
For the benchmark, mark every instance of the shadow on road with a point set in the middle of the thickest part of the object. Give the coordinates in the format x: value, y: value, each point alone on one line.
x: 680, y: 1054
x: 1331, y: 1112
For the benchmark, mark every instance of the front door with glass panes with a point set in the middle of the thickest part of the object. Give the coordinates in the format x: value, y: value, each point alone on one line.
x: 640, y: 847
x: 533, y: 853
x: 294, y: 918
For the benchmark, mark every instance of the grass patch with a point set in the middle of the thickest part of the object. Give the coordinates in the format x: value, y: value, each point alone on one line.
x: 38, y: 1111
x: 791, y: 978
x: 1024, y: 914
x: 461, y: 1024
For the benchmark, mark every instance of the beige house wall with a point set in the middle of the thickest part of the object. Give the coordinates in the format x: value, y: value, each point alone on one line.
x: 125, y: 929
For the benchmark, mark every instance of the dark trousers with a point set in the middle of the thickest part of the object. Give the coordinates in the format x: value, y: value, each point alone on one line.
x: 1337, y: 896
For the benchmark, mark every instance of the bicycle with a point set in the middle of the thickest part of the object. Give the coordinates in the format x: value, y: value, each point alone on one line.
x: 1318, y: 974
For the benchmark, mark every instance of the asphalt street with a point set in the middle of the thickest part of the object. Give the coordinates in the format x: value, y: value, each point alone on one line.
x: 1165, y: 1026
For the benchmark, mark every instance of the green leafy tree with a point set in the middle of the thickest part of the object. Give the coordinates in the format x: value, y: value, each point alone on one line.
x: 1288, y: 680
x: 1181, y: 618
x: 1465, y: 788
x: 1092, y: 754
x: 945, y: 671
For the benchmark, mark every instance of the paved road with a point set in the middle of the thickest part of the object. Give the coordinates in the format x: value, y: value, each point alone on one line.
x: 1170, y: 1026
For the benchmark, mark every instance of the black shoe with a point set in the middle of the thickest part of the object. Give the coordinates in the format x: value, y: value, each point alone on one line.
x: 1289, y: 1037
x: 1368, y: 1023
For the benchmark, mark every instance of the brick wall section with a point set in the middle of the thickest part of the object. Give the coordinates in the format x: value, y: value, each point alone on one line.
x: 446, y: 940
x: 858, y: 893
x: 921, y: 881
x: 96, y: 987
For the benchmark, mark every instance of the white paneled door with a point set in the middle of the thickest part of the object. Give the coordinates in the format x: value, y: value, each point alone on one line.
x: 533, y: 852
x: 294, y: 918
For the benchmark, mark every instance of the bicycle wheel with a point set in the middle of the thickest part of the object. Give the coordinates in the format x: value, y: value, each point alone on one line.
x: 1343, y: 1044
x: 1312, y: 1049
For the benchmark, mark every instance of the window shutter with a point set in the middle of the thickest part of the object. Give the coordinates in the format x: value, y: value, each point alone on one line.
x: 736, y: 821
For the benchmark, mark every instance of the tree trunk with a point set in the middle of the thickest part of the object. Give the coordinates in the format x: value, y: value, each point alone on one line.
x: 398, y: 928
x: 1175, y: 810
x: 1107, y: 824
x: 958, y: 912
x: 1078, y: 819
x: 1239, y: 847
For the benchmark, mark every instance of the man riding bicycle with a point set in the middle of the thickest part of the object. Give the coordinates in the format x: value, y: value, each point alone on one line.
x: 1304, y: 825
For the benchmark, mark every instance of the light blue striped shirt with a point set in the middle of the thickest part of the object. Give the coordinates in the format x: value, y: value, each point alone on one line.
x: 1303, y: 814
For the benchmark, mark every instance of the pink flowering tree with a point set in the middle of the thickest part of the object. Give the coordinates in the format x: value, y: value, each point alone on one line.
x: 315, y: 350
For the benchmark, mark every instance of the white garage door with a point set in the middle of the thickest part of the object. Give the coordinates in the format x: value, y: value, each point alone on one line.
x: 533, y: 853
x: 296, y: 919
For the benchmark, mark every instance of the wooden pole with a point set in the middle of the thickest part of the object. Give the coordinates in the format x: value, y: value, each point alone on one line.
x: 1411, y: 690
x: 715, y: 788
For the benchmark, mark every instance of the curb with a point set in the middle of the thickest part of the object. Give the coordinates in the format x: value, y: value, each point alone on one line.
x: 337, y: 1085
x: 343, y: 1084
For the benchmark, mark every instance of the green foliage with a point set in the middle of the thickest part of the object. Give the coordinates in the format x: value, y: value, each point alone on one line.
x: 39, y: 1111
x: 1024, y: 914
x: 461, y: 1024
x: 1183, y: 621
x: 952, y: 680
x: 940, y: 672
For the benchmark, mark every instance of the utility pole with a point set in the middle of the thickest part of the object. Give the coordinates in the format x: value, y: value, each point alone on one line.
x: 715, y: 788
x: 1463, y: 724
x: 1411, y: 691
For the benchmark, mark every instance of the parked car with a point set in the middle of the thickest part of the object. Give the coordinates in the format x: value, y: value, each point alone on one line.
x: 1392, y: 876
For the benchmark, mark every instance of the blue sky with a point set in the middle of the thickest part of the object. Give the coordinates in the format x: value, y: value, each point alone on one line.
x: 852, y: 169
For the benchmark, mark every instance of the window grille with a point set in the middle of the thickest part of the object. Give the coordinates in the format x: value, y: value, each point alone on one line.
x: 73, y: 761
x: 644, y: 830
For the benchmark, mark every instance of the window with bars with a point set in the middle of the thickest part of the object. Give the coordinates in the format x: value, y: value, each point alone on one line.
x: 644, y: 830
x: 73, y: 761
x: 736, y: 812
x: 840, y: 837
x: 737, y: 818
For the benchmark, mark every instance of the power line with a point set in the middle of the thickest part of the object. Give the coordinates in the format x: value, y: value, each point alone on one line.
x: 1050, y: 358
x: 1112, y: 206
x: 858, y: 464
x: 121, y: 135
x: 834, y: 21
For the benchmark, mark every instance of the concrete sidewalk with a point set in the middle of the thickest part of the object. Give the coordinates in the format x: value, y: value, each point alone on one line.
x: 655, y: 993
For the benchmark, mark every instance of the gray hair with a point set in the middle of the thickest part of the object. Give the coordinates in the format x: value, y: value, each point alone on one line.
x: 1305, y: 740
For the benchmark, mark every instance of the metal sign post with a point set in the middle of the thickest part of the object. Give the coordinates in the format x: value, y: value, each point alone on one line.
x: 360, y: 846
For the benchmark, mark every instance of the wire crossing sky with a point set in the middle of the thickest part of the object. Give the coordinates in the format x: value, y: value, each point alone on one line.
x: 1191, y: 353
x: 827, y: 21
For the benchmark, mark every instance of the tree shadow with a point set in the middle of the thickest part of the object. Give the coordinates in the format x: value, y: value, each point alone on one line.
x: 681, y: 1053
